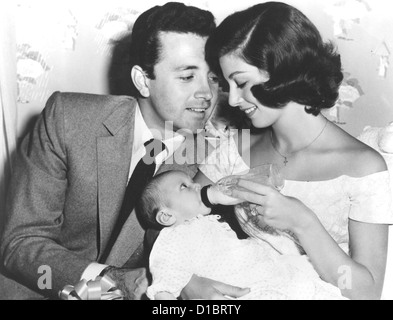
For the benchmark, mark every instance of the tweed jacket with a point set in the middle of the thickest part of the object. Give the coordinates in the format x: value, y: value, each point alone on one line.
x: 69, y: 180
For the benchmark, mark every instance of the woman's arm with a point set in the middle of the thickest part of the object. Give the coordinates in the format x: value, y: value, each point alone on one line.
x: 360, y: 275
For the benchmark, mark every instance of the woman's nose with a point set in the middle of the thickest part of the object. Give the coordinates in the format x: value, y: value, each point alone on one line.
x: 234, y: 98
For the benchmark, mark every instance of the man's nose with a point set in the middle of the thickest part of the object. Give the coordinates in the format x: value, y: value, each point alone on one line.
x: 205, y: 90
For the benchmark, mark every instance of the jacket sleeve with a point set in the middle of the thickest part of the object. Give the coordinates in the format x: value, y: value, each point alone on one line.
x: 31, y: 241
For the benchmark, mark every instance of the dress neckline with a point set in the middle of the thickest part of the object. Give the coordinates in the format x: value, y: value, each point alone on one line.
x: 344, y: 176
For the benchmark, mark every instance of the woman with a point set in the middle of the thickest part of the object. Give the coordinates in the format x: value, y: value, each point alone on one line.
x: 336, y: 199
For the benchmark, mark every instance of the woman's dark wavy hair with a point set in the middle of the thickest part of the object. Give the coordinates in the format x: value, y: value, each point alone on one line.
x: 281, y: 40
x: 172, y: 17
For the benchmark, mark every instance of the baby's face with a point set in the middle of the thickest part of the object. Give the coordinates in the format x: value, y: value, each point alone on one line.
x: 184, y: 196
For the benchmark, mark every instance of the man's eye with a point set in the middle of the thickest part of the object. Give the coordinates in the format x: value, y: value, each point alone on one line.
x: 186, y: 79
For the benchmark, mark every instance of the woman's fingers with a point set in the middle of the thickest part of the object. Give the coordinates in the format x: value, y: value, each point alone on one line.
x: 251, y: 191
x: 248, y: 196
x: 255, y: 187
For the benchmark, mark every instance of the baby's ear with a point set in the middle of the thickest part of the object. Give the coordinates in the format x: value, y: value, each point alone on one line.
x: 166, y: 218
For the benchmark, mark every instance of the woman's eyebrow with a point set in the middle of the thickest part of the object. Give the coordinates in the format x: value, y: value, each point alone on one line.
x: 235, y: 74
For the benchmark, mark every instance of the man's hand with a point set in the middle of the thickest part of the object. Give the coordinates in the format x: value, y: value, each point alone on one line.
x: 132, y: 282
x: 206, y: 289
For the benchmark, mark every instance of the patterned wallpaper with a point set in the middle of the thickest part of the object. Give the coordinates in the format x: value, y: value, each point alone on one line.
x: 72, y: 46
x: 346, y: 15
x: 32, y: 23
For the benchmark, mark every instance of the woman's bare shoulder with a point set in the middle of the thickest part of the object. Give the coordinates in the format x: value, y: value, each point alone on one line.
x: 358, y: 158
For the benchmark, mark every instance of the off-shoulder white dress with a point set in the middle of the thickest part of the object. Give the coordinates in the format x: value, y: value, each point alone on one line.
x: 367, y: 199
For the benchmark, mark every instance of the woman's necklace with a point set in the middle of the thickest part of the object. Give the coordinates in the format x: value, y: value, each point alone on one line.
x: 293, y: 152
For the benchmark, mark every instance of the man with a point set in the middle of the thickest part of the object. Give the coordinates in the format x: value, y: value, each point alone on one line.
x: 72, y: 170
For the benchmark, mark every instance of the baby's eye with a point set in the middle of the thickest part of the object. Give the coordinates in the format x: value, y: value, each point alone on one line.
x: 183, y: 186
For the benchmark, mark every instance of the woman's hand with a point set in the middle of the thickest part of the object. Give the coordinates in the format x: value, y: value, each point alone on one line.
x: 205, y: 289
x: 278, y: 211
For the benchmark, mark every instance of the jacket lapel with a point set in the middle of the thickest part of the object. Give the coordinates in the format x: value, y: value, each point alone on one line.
x: 113, y: 161
x: 114, y: 156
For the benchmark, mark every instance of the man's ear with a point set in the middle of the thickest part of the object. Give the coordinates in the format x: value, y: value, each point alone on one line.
x: 165, y: 217
x: 140, y: 80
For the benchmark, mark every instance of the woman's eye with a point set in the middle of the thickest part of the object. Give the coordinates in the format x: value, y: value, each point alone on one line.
x: 241, y: 85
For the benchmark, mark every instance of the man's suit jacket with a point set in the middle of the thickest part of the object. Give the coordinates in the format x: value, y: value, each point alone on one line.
x: 69, y: 180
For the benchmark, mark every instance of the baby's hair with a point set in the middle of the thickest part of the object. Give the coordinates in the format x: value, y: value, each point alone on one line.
x: 152, y: 201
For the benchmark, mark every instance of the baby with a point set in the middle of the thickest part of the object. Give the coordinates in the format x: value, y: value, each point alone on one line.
x: 193, y: 242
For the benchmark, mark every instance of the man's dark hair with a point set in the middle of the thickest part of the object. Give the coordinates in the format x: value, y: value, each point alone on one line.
x: 171, y: 17
x: 281, y: 40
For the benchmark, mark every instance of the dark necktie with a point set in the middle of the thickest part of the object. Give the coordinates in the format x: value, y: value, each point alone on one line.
x: 141, y: 175
x: 143, y: 172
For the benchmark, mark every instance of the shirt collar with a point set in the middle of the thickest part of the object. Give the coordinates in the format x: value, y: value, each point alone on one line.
x: 143, y: 134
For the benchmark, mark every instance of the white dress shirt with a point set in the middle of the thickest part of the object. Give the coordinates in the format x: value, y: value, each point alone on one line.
x: 142, y: 134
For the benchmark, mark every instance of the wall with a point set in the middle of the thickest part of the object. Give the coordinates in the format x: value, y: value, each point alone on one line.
x: 74, y: 46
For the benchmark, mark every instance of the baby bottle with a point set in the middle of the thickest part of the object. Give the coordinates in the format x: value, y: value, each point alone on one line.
x: 266, y: 174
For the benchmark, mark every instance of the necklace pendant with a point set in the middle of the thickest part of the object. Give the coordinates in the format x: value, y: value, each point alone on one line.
x: 285, y: 161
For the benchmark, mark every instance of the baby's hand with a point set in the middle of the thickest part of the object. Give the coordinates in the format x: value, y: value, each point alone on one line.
x: 216, y: 195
